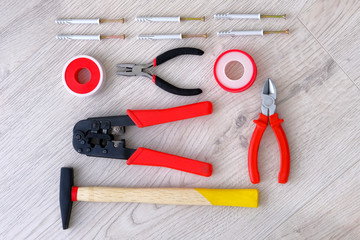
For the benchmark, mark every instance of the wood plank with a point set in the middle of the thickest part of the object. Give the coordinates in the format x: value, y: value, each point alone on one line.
x: 316, y: 99
x: 335, y: 24
x: 333, y: 214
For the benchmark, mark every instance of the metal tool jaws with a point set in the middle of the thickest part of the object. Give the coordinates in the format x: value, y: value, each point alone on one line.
x: 268, y: 96
x: 130, y: 69
x: 96, y: 137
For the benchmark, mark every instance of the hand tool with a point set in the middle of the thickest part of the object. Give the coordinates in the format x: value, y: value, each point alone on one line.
x: 177, y: 36
x: 72, y: 69
x: 231, y: 16
x: 235, y: 85
x: 268, y: 108
x: 168, y: 19
x: 130, y: 69
x: 175, y: 196
x: 97, y: 37
x: 87, y: 21
x: 99, y: 137
x: 232, y: 33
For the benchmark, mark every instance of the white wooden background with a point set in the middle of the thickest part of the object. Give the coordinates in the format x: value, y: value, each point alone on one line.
x: 317, y: 73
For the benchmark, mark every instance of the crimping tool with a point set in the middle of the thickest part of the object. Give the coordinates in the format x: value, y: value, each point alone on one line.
x: 97, y: 137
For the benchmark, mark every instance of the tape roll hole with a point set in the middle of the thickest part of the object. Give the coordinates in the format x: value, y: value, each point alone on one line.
x: 83, y: 76
x: 234, y: 70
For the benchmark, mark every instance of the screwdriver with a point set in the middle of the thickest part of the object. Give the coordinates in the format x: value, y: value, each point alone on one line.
x: 170, y: 36
x: 231, y: 16
x: 168, y: 19
x: 89, y: 37
x: 232, y: 33
x: 87, y: 21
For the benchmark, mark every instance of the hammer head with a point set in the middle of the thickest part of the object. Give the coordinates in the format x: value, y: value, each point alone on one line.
x: 66, y: 184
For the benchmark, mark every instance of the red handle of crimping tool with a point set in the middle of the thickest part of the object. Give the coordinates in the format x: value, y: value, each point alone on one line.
x: 148, y: 157
x: 145, y: 118
x: 275, y: 124
x: 261, y: 125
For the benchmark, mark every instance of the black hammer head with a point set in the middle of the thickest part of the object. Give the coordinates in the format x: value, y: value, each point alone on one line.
x: 66, y: 184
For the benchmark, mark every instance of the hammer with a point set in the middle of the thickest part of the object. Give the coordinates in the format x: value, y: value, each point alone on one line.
x: 176, y: 196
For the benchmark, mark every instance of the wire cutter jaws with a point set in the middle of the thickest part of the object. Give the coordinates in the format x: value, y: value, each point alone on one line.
x: 268, y: 96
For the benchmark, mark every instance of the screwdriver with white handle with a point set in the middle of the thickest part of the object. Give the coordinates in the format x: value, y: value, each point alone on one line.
x: 168, y: 19
x: 232, y: 33
x: 231, y: 16
x: 87, y: 21
x: 178, y: 36
x: 97, y: 37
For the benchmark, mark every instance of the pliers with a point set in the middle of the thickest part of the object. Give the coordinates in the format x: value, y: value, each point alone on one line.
x: 131, y: 69
x: 100, y: 137
x: 268, y: 108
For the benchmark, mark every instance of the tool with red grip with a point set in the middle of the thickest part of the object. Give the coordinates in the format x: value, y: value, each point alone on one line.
x: 131, y: 69
x: 268, y: 108
x: 99, y: 137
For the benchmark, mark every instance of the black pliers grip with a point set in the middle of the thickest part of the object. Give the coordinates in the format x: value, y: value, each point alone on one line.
x: 173, y: 53
x: 138, y: 70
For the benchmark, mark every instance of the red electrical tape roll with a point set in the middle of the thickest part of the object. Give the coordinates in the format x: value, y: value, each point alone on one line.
x: 70, y: 75
x: 243, y: 82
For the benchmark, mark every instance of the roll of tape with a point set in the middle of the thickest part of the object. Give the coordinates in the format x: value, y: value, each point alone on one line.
x: 70, y: 75
x: 245, y: 81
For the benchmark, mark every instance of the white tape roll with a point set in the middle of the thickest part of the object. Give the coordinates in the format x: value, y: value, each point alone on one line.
x: 70, y: 76
x: 245, y: 81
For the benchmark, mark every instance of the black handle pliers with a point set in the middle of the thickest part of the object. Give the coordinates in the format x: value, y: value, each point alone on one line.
x: 131, y: 69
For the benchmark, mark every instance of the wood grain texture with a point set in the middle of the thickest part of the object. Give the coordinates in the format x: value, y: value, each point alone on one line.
x: 317, y: 98
x: 180, y: 196
x: 335, y: 24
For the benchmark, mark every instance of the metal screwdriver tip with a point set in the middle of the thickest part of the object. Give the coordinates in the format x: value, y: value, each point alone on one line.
x: 121, y: 20
x: 113, y: 37
x: 194, y: 35
x: 193, y: 19
x: 277, y: 32
x: 273, y: 16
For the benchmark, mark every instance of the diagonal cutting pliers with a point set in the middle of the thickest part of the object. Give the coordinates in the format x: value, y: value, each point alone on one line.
x: 268, y: 114
x: 131, y: 69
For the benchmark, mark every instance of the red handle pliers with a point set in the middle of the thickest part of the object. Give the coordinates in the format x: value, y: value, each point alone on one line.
x: 268, y: 108
x: 102, y: 137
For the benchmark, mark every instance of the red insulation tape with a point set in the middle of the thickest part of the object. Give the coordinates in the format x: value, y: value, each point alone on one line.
x: 72, y: 69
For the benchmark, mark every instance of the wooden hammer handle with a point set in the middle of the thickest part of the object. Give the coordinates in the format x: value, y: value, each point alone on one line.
x: 175, y: 196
